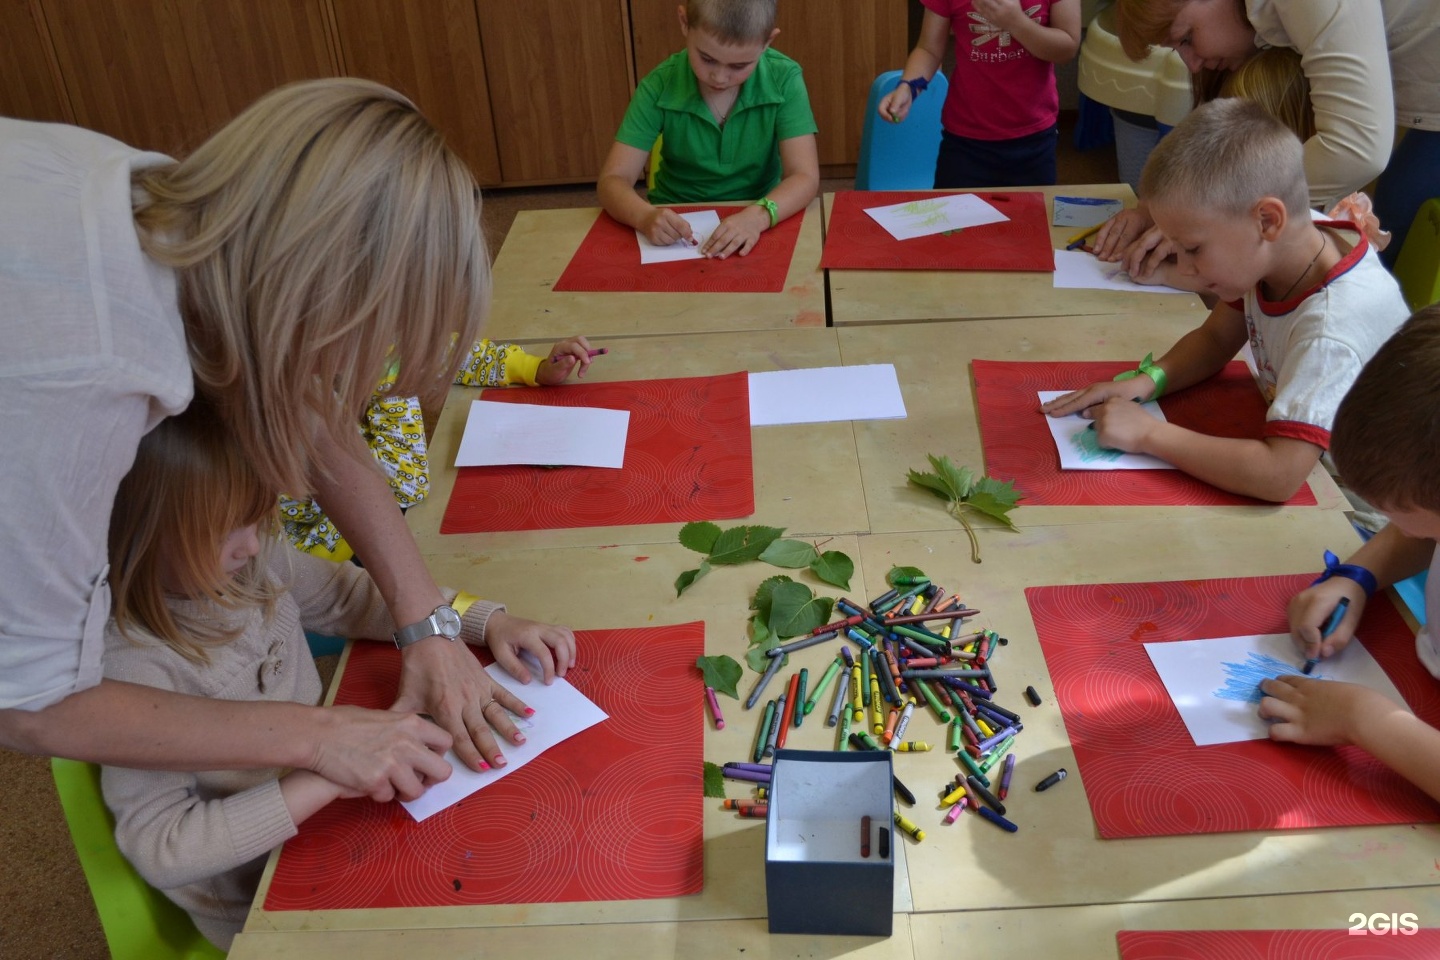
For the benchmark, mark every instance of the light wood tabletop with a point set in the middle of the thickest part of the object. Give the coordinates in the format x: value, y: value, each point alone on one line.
x: 541, y: 243
x: 899, y: 296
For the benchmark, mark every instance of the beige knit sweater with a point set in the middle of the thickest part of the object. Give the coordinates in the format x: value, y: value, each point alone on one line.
x: 203, y: 838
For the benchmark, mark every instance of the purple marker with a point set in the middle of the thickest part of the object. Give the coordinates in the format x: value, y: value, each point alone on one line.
x: 743, y: 765
x: 754, y: 776
x: 1006, y: 773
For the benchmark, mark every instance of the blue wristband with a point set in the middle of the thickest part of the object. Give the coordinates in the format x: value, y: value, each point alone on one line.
x: 917, y: 86
x: 1334, y: 568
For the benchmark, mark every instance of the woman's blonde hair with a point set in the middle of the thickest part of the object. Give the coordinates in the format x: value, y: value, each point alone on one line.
x: 322, y: 235
x: 1274, y: 79
x: 189, y: 488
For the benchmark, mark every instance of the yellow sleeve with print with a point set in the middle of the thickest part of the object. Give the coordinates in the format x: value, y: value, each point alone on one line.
x: 492, y: 364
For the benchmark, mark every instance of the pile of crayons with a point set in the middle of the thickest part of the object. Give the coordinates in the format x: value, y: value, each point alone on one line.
x: 909, y: 657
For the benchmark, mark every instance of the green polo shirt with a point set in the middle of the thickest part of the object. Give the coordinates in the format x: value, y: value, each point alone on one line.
x: 699, y: 160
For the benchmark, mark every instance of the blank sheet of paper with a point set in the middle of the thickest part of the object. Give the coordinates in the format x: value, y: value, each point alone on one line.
x: 702, y: 224
x: 822, y: 394
x: 1084, y: 211
x: 1080, y: 448
x: 1078, y: 270
x: 561, y: 711
x: 500, y: 434
x: 932, y: 215
x: 1215, y: 684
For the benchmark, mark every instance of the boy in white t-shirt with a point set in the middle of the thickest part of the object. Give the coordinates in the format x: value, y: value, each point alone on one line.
x: 1386, y: 443
x: 1227, y: 185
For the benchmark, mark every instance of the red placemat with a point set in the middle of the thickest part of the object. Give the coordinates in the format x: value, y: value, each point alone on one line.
x: 854, y: 241
x: 687, y: 457
x: 1277, y: 945
x: 1143, y: 774
x: 1018, y: 445
x: 609, y: 260
x: 613, y: 813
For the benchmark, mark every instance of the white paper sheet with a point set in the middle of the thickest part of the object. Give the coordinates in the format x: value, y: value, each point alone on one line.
x: 1078, y: 270
x: 1080, y: 449
x: 561, y: 711
x: 1084, y: 211
x: 824, y: 394
x: 702, y: 224
x: 503, y: 433
x: 1215, y: 684
x: 932, y: 215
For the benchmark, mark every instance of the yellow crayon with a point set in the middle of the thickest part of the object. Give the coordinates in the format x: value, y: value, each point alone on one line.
x: 857, y: 695
x: 914, y: 746
x: 953, y: 796
x: 877, y: 706
x: 909, y: 827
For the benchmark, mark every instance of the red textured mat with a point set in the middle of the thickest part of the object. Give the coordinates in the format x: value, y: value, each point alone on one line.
x: 854, y: 241
x: 1277, y: 944
x: 608, y: 260
x: 687, y: 457
x: 1018, y: 445
x: 613, y: 813
x: 1144, y: 776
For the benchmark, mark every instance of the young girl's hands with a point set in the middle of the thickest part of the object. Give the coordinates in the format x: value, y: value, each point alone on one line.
x: 1135, y: 388
x: 895, y: 105
x: 1321, y: 713
x: 571, y: 355
x: 663, y: 226
x: 553, y: 647
x: 737, y: 233
x: 1001, y: 13
x: 1310, y: 610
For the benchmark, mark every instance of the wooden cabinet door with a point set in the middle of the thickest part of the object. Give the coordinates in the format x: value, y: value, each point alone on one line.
x: 164, y: 74
x: 841, y: 44
x: 29, y: 79
x: 430, y: 51
x: 560, y: 79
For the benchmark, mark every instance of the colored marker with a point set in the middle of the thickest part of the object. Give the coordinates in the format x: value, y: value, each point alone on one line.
x: 983, y: 792
x: 842, y: 691
x: 825, y: 679
x: 884, y: 843
x: 715, y: 708
x: 1049, y: 781
x: 1082, y: 236
x: 759, y: 811
x: 909, y: 827
x: 865, y: 837
x: 1005, y: 774
x: 1032, y: 696
x: 954, y: 812
x: 997, y: 819
x: 772, y: 738
x: 799, y: 708
x: 914, y: 746
x: 764, y: 735
x: 787, y: 717
x: 1336, y: 616
x: 770, y: 671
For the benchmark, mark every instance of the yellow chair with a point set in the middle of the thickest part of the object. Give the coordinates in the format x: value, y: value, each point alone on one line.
x: 140, y: 922
x: 1418, y: 266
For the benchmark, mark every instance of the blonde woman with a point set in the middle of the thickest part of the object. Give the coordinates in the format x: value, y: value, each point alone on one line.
x: 280, y: 269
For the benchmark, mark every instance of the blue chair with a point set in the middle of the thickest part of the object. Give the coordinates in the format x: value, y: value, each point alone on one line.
x: 140, y: 922
x: 901, y: 156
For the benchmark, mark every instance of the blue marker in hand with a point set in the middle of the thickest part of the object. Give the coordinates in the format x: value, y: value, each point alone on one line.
x: 1336, y: 616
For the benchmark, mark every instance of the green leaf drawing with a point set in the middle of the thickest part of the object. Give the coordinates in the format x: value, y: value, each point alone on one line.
x: 686, y: 579
x: 789, y: 553
x: 700, y: 536
x: 833, y: 567
x: 964, y: 492
x: 714, y: 780
x: 739, y: 544
x: 722, y: 673
x: 794, y: 610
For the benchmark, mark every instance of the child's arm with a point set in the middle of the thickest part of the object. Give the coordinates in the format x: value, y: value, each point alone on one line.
x: 507, y: 636
x: 1055, y: 43
x: 1390, y: 555
x: 306, y: 794
x: 493, y: 364
x: 1330, y: 713
x: 616, y: 187
x: 923, y: 61
x: 799, y: 182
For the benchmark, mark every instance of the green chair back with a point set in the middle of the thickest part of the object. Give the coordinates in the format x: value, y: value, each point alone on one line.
x: 1418, y: 266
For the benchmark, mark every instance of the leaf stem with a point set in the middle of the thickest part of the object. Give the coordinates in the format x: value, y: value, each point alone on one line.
x: 957, y: 510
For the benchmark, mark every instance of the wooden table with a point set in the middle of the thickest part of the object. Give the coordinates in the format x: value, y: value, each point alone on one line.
x: 934, y: 369
x: 539, y: 247
x: 897, y: 296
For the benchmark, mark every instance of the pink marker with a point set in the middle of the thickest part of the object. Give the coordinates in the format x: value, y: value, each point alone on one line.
x: 715, y: 708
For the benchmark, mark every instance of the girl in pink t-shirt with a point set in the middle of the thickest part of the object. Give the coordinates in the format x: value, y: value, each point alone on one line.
x: 999, y: 116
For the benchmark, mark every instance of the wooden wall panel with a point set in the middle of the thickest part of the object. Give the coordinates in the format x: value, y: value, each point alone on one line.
x: 30, y: 86
x: 430, y: 51
x: 560, y: 79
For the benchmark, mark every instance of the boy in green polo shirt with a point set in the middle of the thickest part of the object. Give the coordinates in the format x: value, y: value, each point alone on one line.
x: 736, y: 123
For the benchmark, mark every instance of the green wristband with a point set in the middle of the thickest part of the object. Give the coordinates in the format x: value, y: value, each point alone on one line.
x: 771, y: 209
x: 1147, y: 367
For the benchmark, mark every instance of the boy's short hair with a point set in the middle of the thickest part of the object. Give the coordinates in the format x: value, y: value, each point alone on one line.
x: 733, y: 21
x: 1386, y: 438
x: 1225, y: 156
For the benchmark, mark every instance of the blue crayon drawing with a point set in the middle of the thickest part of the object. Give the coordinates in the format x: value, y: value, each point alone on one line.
x: 1242, y: 680
x: 1087, y: 445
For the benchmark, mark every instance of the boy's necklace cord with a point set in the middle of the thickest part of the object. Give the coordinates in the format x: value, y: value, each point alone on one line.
x: 1324, y: 242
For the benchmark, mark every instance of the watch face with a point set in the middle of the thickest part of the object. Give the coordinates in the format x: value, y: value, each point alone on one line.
x: 448, y: 621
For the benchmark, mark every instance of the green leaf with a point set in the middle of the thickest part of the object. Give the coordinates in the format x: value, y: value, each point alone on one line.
x: 991, y: 506
x: 932, y: 483
x: 700, y: 536
x: 757, y: 659
x: 684, y: 581
x: 834, y: 568
x: 794, y: 610
x: 714, y: 780
x: 902, y: 572
x: 739, y: 544
x: 789, y: 553
x: 759, y: 634
x: 761, y: 601
x: 960, y: 480
x: 721, y: 672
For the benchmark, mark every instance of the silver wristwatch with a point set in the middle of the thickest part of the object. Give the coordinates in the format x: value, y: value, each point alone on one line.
x: 443, y: 622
